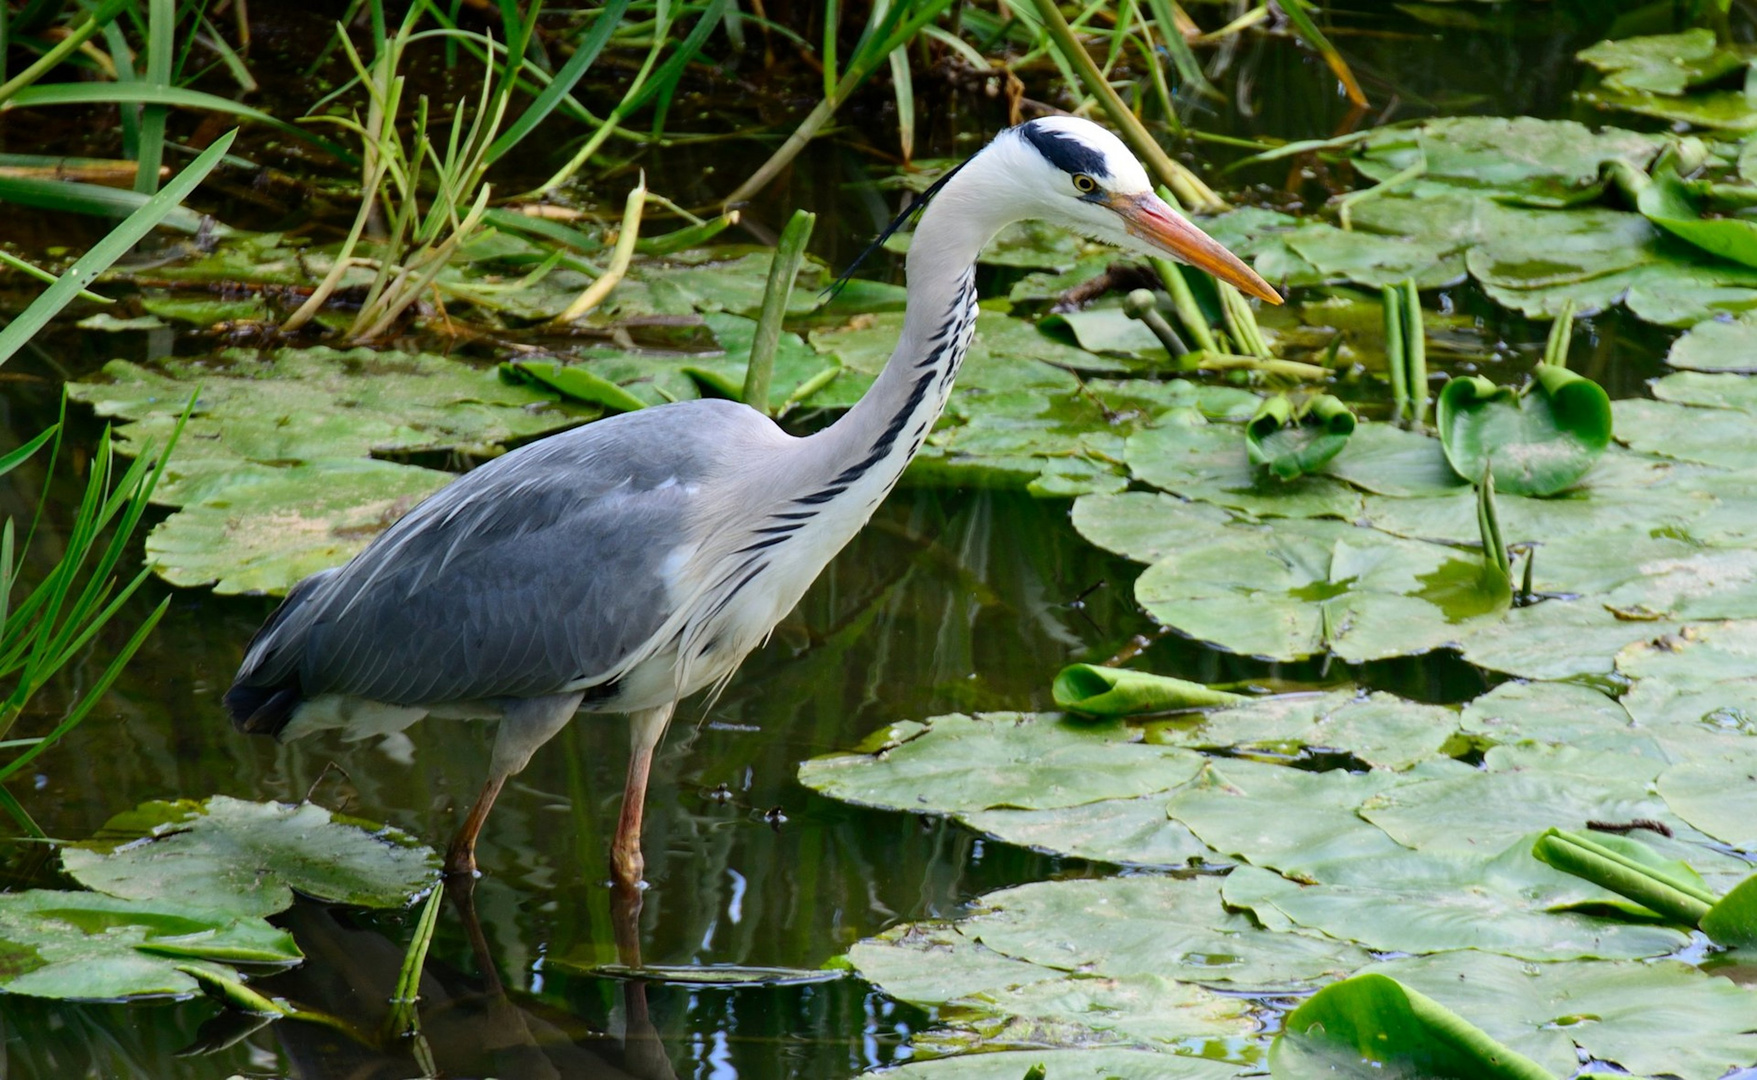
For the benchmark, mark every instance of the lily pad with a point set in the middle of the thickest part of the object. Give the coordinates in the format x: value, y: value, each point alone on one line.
x: 86, y: 946
x: 1287, y: 819
x: 1094, y: 1064
x: 1374, y: 1019
x: 1476, y: 811
x: 1301, y: 587
x: 1380, y: 729
x: 1428, y: 901
x: 1662, y: 63
x: 303, y: 405
x: 1291, y: 445
x: 1718, y: 797
x: 1543, y: 162
x: 1128, y: 832
x: 264, y: 530
x: 1175, y: 927
x: 1186, y: 455
x: 1029, y: 761
x: 247, y: 858
x: 1697, y: 679
x: 1653, y: 1018
x: 1536, y: 443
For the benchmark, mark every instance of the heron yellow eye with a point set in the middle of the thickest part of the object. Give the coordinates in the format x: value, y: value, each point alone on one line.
x: 1084, y: 184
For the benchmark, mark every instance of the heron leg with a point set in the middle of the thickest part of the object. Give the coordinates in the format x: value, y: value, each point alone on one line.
x: 646, y: 729
x: 526, y: 724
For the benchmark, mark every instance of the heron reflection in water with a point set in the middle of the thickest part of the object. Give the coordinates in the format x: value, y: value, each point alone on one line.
x: 624, y: 565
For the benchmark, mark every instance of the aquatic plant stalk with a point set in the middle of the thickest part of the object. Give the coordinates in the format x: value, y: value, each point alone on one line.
x: 402, y: 1017
x: 1141, y: 305
x: 1241, y: 321
x: 1415, y: 355
x: 620, y: 256
x: 782, y: 272
x: 1296, y: 13
x: 1192, y: 193
x: 1555, y: 349
x: 1488, y: 525
x: 1392, y: 300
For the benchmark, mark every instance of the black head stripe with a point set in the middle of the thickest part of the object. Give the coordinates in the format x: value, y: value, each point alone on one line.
x: 1065, y: 150
x: 915, y: 206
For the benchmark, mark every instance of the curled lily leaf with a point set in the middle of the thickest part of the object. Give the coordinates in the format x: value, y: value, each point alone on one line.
x: 1109, y: 691
x: 1376, y: 1017
x: 1538, y: 441
x: 1291, y: 441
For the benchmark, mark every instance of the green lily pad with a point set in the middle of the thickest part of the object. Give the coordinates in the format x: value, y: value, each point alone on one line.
x: 1136, y: 1010
x: 1718, y: 797
x: 1186, y: 455
x: 1536, y: 443
x: 1289, y: 445
x: 1695, y: 682
x: 1375, y: 1019
x: 1096, y: 1064
x: 1387, y: 460
x: 1662, y: 63
x: 1654, y: 1018
x: 247, y: 858
x: 1372, y: 259
x: 1560, y: 714
x: 1287, y: 819
x: 1302, y: 586
x: 303, y: 405
x: 1732, y: 921
x: 86, y: 946
x: 1667, y: 200
x: 1128, y: 832
x: 264, y: 530
x: 1029, y: 761
x: 1429, y: 901
x: 1520, y: 158
x: 1477, y: 810
x: 931, y: 963
x: 1174, y: 927
x: 1380, y: 729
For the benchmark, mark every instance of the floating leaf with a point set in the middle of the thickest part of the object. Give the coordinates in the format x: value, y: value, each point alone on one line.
x: 86, y: 946
x: 1095, y: 1064
x: 1111, y: 691
x: 1019, y: 760
x: 1653, y: 1018
x: 1375, y: 1018
x: 1291, y: 444
x: 248, y: 858
x: 1186, y: 455
x: 263, y: 530
x: 1128, y: 832
x: 1732, y: 921
x: 1175, y: 927
x: 1718, y: 797
x: 1717, y: 345
x: 1429, y: 901
x: 1538, y: 442
x: 1662, y: 63
x: 1666, y: 200
x: 578, y: 383
x: 1380, y: 729
x: 1300, y: 587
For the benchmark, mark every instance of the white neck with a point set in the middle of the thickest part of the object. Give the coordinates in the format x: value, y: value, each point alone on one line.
x: 873, y: 443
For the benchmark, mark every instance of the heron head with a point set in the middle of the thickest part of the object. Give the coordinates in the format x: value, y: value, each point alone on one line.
x: 1080, y: 175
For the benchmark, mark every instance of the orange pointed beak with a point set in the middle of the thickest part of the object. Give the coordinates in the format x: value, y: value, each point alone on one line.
x: 1148, y: 217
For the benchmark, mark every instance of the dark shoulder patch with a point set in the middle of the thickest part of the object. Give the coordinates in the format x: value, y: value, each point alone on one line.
x: 1066, y: 151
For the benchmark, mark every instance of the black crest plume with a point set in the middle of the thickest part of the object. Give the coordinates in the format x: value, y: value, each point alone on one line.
x: 915, y: 207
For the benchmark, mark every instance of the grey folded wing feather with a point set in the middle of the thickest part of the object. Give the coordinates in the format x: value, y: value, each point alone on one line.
x: 541, y: 571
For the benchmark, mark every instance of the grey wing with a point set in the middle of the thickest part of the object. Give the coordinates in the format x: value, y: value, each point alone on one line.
x: 543, y: 570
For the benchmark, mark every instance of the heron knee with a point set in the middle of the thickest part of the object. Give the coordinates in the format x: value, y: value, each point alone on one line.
x: 527, y: 724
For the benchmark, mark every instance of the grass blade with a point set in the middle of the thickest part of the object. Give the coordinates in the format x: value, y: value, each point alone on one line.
x: 105, y: 252
x: 563, y: 82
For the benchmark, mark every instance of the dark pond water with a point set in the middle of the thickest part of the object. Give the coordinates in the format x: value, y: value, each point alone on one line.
x: 951, y: 600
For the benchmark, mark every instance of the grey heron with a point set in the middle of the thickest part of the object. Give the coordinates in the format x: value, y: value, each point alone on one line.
x: 623, y: 565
